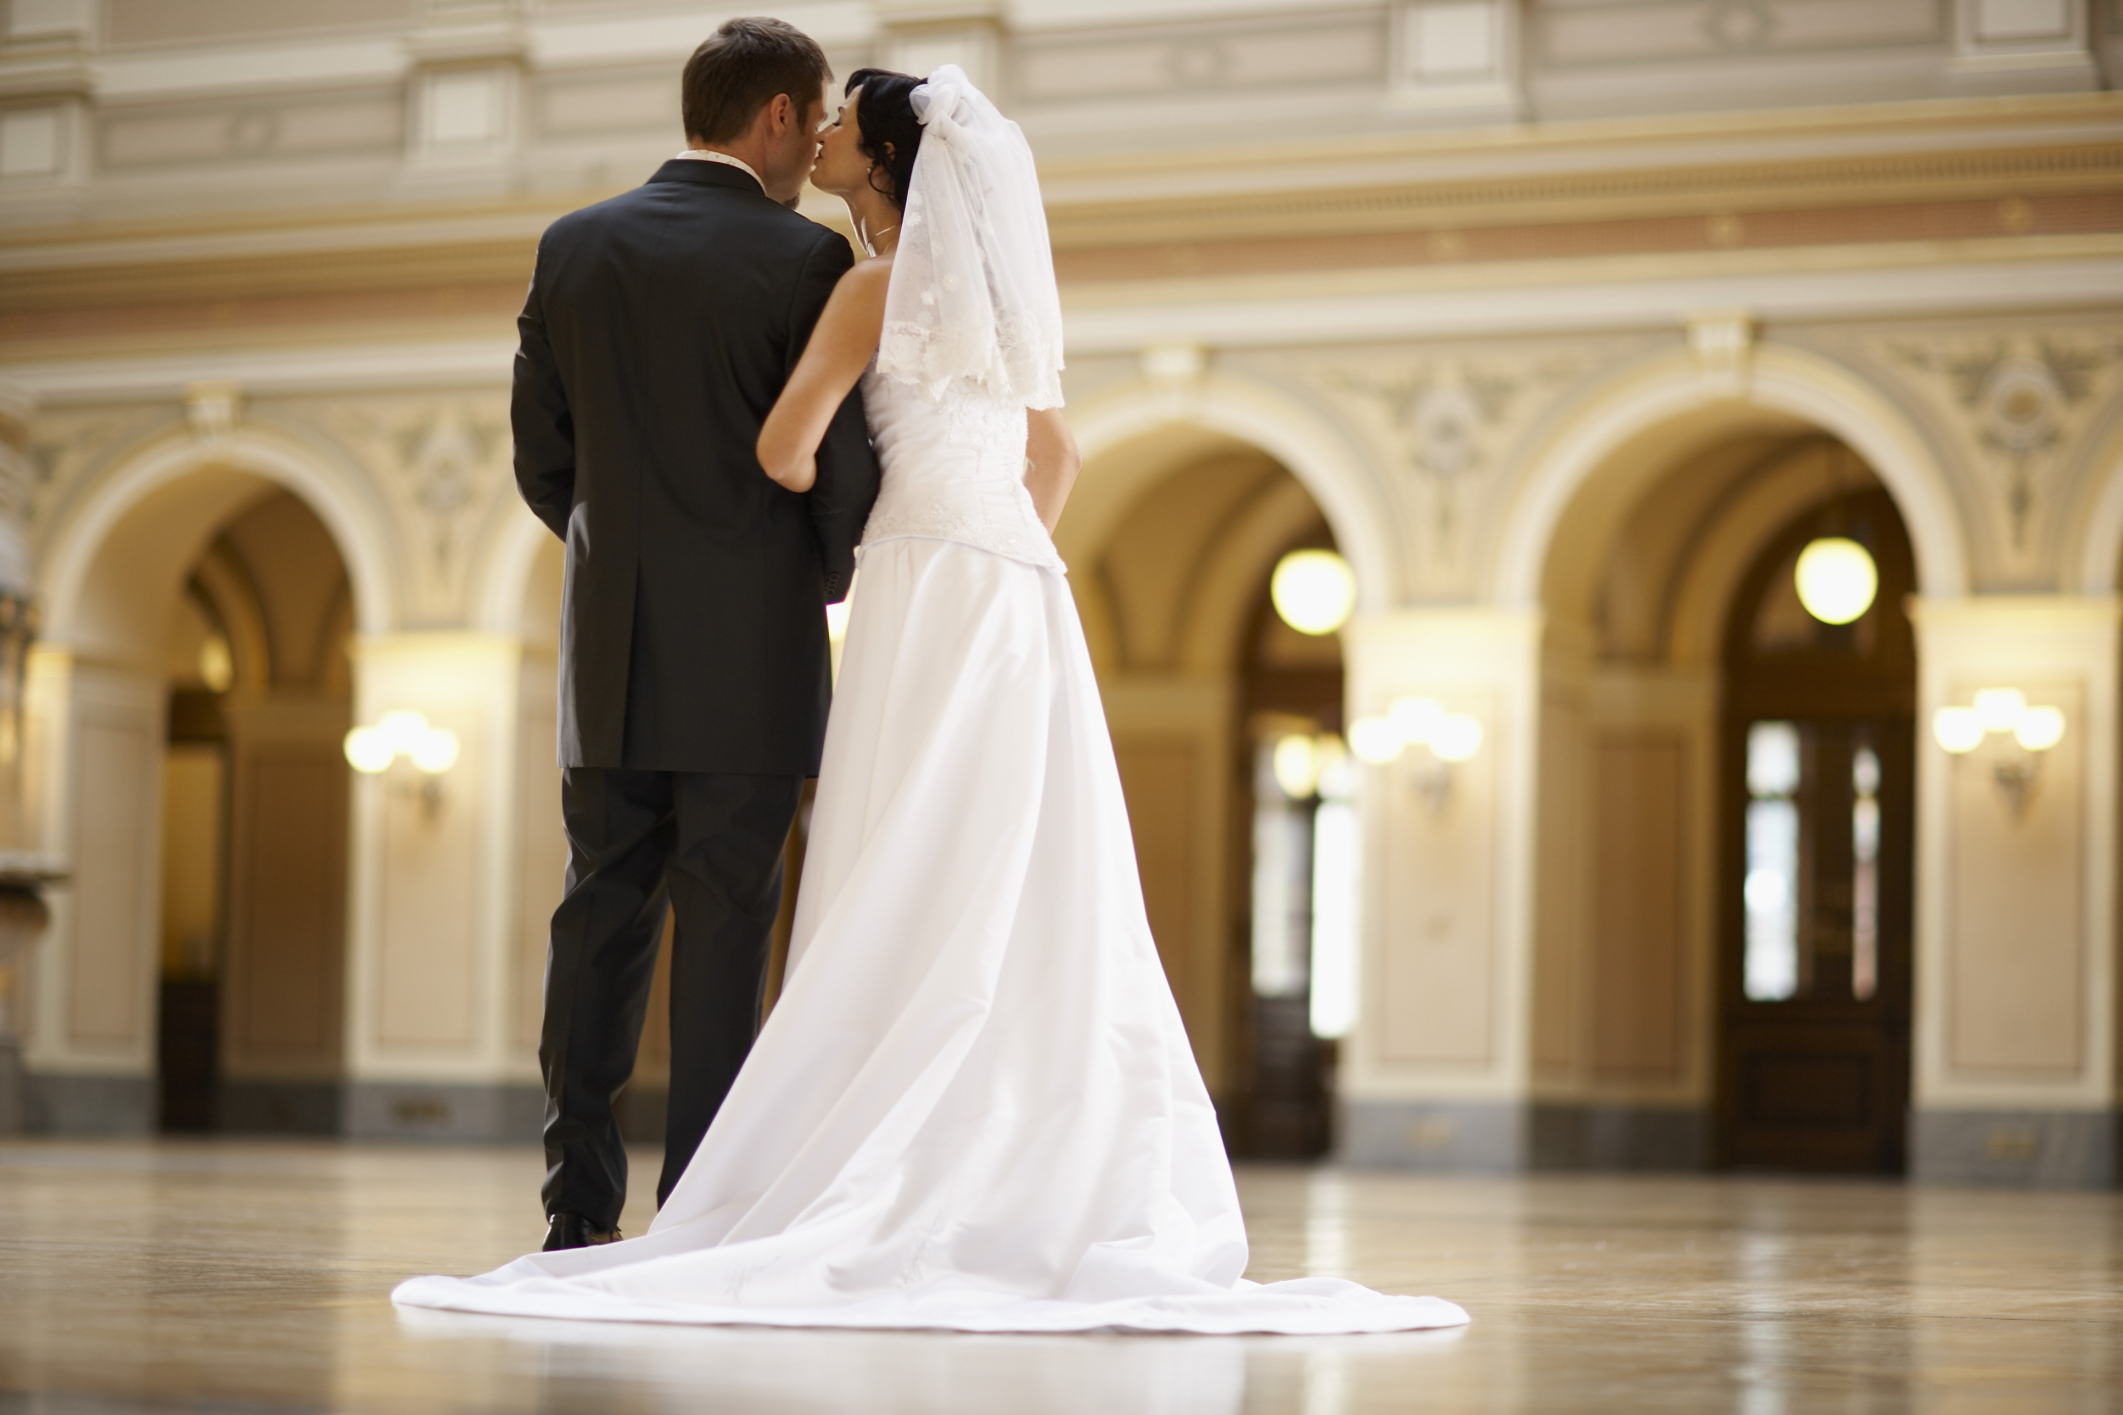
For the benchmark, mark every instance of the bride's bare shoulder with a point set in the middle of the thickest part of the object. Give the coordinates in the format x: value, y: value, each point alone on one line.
x: 868, y: 279
x: 856, y: 310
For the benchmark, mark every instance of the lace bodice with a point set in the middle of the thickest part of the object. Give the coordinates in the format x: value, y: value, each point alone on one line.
x: 953, y: 470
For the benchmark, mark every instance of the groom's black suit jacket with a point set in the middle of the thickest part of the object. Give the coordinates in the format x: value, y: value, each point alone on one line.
x: 660, y: 327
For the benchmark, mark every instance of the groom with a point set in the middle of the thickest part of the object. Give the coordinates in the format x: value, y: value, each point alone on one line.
x: 693, y: 666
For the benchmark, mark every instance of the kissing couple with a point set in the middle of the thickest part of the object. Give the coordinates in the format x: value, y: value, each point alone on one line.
x: 973, y: 1106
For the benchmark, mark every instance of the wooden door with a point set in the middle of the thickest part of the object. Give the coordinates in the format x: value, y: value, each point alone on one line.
x: 1818, y: 785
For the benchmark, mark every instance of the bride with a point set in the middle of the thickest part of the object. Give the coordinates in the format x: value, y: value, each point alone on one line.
x: 974, y: 1106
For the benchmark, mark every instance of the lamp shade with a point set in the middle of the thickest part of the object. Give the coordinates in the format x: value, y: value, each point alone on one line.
x: 2039, y: 728
x: 1297, y: 766
x: 1957, y: 729
x: 1456, y: 738
x: 1836, y: 579
x: 1313, y: 590
x: 368, y: 751
x: 1374, y: 740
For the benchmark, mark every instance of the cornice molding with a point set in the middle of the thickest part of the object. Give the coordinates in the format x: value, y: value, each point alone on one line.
x: 323, y: 272
x: 1616, y: 172
x: 1348, y: 307
x: 1849, y: 125
x: 1611, y: 194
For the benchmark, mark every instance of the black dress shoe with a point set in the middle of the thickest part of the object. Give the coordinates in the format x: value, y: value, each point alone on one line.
x: 574, y: 1231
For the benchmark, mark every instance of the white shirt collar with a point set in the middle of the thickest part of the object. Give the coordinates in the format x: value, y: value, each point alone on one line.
x: 702, y: 154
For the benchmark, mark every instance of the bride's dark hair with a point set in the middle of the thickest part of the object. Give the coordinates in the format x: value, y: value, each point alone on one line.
x: 886, y: 115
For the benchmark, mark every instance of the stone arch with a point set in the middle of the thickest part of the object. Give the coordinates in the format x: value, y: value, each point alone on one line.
x: 112, y: 571
x: 158, y: 501
x: 1656, y: 408
x: 1317, y: 453
x: 1624, y: 1003
x: 2098, y: 569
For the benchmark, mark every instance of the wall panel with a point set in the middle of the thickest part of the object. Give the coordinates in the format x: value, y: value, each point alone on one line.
x: 114, y: 881
x: 1639, y: 906
x: 287, y: 914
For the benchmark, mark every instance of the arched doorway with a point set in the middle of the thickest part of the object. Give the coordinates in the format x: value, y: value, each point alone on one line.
x: 1817, y: 786
x: 1683, y: 534
x: 254, y: 816
x: 186, y: 710
x: 1171, y: 545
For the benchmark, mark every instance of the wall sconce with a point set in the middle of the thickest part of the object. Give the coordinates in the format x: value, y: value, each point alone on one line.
x: 432, y: 750
x: 1999, y: 712
x: 1451, y: 737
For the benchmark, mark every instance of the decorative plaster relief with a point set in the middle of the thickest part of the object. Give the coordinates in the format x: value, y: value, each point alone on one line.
x: 1447, y: 422
x: 2022, y: 401
x: 440, y: 464
x: 69, y: 446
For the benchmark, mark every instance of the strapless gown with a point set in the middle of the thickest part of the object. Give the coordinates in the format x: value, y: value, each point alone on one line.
x: 974, y: 1106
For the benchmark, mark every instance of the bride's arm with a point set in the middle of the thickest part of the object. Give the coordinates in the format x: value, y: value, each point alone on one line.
x: 1051, y: 451
x: 840, y: 348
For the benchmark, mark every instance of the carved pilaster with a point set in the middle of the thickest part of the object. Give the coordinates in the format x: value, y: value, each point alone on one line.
x: 921, y: 35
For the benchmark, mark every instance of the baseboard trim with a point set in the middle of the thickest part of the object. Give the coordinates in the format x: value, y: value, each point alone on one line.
x: 249, y: 1106
x: 417, y: 1110
x: 1445, y: 1135
x: 60, y: 1103
x: 2022, y: 1149
x: 1503, y: 1137
x: 1621, y: 1138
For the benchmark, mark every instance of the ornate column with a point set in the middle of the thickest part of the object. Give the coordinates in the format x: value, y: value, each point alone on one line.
x: 920, y: 35
x: 430, y: 957
x: 1438, y: 1072
x: 2015, y: 1055
x: 23, y: 872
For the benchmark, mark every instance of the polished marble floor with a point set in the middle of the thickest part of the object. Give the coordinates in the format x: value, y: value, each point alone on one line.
x: 251, y: 1276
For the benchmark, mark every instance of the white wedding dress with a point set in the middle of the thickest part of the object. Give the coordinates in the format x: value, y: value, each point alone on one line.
x: 974, y: 1106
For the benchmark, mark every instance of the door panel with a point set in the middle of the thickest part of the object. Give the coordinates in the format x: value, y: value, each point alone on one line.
x: 1818, y: 788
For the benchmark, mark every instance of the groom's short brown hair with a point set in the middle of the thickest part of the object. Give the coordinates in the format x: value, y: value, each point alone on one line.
x: 737, y: 71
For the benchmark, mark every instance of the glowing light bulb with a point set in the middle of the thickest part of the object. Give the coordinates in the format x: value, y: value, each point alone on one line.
x: 1374, y: 740
x: 1456, y: 738
x: 436, y: 751
x: 1297, y: 766
x: 1957, y: 729
x: 1415, y: 718
x: 403, y: 730
x: 2000, y: 709
x: 1337, y: 769
x: 1836, y: 579
x: 2040, y: 728
x: 368, y: 751
x: 217, y: 666
x: 1313, y: 590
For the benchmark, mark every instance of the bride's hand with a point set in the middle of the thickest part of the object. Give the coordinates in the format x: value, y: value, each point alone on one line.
x: 841, y: 345
x: 1052, y: 463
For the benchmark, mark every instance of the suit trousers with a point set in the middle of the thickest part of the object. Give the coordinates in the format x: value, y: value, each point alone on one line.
x: 709, y: 848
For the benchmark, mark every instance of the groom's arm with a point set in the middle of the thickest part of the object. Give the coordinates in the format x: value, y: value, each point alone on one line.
x: 839, y: 501
x: 541, y: 421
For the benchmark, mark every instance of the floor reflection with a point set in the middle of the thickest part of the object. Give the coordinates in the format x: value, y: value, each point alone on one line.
x: 589, y: 1365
